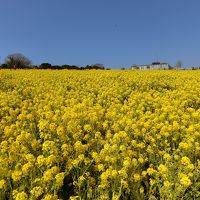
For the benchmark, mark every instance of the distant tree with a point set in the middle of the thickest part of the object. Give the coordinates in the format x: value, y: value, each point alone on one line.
x: 45, y: 66
x: 99, y: 66
x: 71, y: 67
x: 17, y: 60
x: 4, y: 66
x: 88, y: 67
x: 56, y: 67
x: 65, y: 67
x: 179, y: 64
x: 95, y: 66
x: 74, y: 67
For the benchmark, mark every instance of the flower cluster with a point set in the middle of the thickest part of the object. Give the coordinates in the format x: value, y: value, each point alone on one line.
x: 99, y: 134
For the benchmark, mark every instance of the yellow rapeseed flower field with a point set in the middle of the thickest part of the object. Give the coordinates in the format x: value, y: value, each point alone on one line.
x: 94, y: 135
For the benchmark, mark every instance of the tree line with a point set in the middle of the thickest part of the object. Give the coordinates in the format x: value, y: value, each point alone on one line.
x: 19, y: 61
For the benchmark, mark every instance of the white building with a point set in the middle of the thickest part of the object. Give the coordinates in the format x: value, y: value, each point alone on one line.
x: 154, y: 65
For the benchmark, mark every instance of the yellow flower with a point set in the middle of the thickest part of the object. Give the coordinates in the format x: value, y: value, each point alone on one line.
x: 30, y: 158
x: 185, y: 160
x: 140, y: 160
x: 81, y: 157
x: 87, y: 127
x: 134, y: 162
x: 116, y: 197
x: 59, y: 179
x: 50, y: 160
x: 124, y: 184
x: 151, y: 171
x: 184, y: 145
x: 185, y: 181
x: 122, y: 148
x: 4, y: 146
x: 104, y: 176
x: 162, y: 169
x: 74, y: 198
x: 190, y: 166
x: 167, y: 184
x: 21, y: 196
x: 26, y: 167
x: 144, y: 173
x: 114, y: 173
x: 48, y: 176
x: 176, y: 157
x: 75, y: 162
x: 100, y: 167
x: 2, y: 183
x: 167, y: 156
x: 16, y: 175
x: 127, y: 162
x: 152, y: 181
x: 136, y: 177
x: 41, y: 160
x: 141, y: 190
x: 14, y: 193
x: 81, y: 178
x: 52, y: 126
x: 49, y: 146
x: 79, y: 147
x: 50, y: 197
x: 123, y: 173
x: 37, y: 191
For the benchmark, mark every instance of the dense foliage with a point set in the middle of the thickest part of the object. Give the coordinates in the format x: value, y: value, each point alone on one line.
x: 99, y: 135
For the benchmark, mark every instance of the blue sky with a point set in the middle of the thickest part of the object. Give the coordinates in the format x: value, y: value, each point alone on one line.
x: 116, y: 33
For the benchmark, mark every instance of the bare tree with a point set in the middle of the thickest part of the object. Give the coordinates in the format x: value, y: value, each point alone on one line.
x: 17, y: 60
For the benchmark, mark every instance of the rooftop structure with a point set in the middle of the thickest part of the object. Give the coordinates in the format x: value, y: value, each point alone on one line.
x: 154, y: 65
